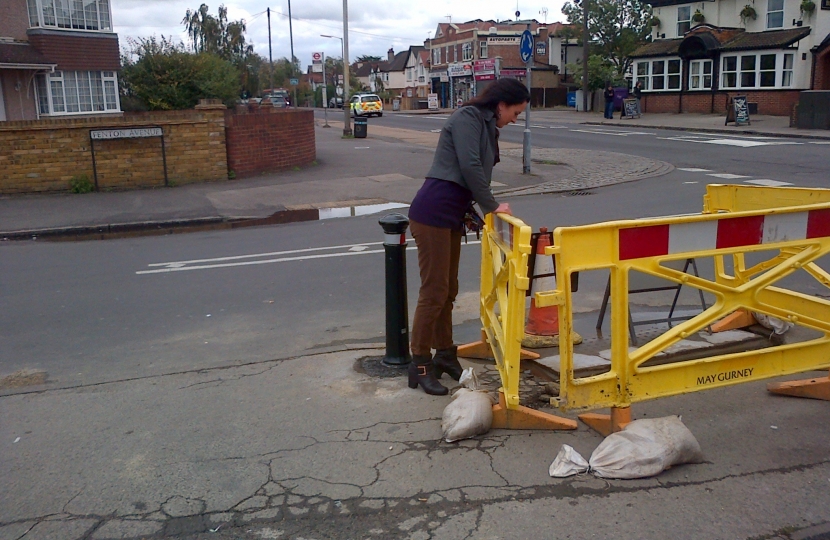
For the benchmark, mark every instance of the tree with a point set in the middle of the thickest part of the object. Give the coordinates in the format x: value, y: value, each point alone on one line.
x: 217, y: 35
x: 367, y: 58
x: 600, y: 72
x: 159, y: 74
x: 616, y: 28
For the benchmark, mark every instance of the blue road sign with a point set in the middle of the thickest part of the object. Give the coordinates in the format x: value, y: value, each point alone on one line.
x: 526, y: 46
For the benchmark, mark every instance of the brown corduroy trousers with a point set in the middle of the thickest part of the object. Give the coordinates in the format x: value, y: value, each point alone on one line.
x: 439, y: 251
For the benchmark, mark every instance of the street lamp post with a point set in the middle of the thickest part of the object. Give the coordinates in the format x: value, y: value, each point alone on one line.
x: 347, y: 127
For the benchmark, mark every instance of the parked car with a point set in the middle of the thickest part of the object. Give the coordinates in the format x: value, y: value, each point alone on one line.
x: 336, y: 102
x: 278, y: 101
x: 280, y: 95
x: 366, y: 105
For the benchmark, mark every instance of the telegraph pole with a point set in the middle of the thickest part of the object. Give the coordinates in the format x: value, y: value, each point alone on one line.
x: 585, y: 39
x: 270, y: 57
x: 291, y: 38
x: 347, y: 120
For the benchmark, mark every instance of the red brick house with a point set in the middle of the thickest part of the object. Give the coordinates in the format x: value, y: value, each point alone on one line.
x: 57, y: 58
x: 465, y: 57
x: 704, y: 53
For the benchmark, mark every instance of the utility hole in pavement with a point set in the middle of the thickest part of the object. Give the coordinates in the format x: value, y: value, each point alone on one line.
x: 374, y: 367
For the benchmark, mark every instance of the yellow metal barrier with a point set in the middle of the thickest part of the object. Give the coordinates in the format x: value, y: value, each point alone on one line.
x: 737, y: 220
x: 505, y: 247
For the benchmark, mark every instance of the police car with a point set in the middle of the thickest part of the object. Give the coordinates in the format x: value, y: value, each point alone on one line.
x: 366, y: 105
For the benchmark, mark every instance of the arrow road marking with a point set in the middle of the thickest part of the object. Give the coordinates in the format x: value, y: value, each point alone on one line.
x: 262, y: 258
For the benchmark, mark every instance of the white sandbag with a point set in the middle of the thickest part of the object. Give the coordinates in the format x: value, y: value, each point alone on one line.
x: 469, y: 379
x: 778, y: 326
x: 645, y: 448
x: 568, y: 462
x: 470, y: 413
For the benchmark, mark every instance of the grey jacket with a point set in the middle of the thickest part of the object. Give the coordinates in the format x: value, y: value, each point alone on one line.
x: 466, y: 152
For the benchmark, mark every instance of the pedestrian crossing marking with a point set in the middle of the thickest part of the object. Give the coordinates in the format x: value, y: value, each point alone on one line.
x: 767, y: 183
x: 728, y: 176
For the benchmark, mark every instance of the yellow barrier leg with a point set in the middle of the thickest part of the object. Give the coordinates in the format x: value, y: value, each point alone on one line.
x: 807, y: 388
x: 527, y: 418
x: 606, y: 424
x: 481, y: 350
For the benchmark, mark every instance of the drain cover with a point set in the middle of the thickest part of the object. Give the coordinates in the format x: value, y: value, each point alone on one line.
x: 578, y: 193
x: 373, y: 367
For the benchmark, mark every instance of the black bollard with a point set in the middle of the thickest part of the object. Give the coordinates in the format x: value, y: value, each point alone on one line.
x: 397, y: 312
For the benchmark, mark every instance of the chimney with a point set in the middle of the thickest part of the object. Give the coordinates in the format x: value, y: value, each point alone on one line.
x: 390, y: 54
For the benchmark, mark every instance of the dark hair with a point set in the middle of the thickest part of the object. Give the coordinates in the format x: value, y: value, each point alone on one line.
x: 507, y: 91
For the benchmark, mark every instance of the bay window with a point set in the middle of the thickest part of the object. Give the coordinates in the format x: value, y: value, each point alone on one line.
x: 659, y: 75
x: 70, y: 14
x: 77, y: 92
x: 757, y: 70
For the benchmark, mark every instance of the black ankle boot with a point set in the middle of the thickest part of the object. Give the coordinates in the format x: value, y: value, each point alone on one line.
x: 446, y: 361
x: 421, y: 372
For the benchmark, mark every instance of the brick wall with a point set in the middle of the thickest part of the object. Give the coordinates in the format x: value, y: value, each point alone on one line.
x: 14, y: 19
x: 43, y: 155
x: 266, y: 139
x: 73, y: 51
x: 771, y: 102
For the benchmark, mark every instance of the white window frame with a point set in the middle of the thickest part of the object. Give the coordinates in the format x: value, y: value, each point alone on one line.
x: 698, y: 75
x: 57, y: 90
x: 436, y: 56
x: 756, y: 72
x: 94, y: 15
x: 787, y: 72
x: 646, y: 74
x: 467, y: 51
x: 482, y: 49
x: 685, y: 21
x: 775, y: 12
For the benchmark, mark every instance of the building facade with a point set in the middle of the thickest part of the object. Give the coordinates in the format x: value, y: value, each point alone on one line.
x: 704, y: 53
x: 465, y: 57
x: 57, y: 58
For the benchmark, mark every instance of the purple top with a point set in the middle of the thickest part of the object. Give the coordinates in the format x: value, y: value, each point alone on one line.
x: 440, y: 203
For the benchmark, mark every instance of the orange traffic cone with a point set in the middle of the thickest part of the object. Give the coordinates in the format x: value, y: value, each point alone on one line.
x: 542, y: 328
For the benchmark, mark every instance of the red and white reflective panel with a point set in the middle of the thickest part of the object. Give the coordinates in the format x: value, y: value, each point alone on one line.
x: 658, y: 240
x: 394, y: 239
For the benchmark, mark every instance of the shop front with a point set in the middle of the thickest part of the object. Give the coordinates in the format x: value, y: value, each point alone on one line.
x: 484, y: 72
x: 462, y: 87
x: 440, y: 84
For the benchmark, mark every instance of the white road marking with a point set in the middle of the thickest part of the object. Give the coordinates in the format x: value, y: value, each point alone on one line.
x: 727, y: 176
x: 538, y: 127
x: 218, y: 262
x: 819, y: 142
x: 768, y: 183
x: 362, y: 147
x: 747, y: 144
x: 690, y: 182
x: 617, y: 133
x: 497, y: 184
x: 435, y: 131
x: 692, y: 169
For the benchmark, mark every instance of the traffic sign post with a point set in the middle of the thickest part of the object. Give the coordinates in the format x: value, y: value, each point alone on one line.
x: 526, y: 50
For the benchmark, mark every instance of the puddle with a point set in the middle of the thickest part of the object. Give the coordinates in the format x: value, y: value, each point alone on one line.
x: 353, y: 211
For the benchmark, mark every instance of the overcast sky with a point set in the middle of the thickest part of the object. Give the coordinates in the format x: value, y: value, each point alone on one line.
x: 374, y: 25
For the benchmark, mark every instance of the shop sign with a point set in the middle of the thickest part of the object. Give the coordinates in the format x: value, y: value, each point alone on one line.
x: 440, y: 75
x: 503, y: 40
x: 484, y: 70
x: 514, y: 73
x: 541, y: 48
x: 460, y: 69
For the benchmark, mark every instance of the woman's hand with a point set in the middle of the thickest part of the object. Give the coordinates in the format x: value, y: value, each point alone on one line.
x: 503, y: 208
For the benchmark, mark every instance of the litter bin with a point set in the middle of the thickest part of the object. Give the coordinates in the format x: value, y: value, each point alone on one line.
x: 361, y: 126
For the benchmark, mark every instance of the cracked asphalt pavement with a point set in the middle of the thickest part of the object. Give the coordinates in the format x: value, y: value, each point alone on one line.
x: 311, y: 447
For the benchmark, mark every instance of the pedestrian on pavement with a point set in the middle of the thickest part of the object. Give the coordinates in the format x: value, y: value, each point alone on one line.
x: 459, y: 177
x: 609, y: 102
x: 638, y: 93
